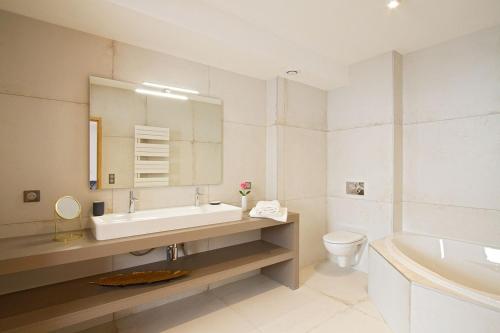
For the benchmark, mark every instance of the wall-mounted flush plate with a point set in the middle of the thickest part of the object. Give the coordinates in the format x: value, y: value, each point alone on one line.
x: 31, y: 196
x: 355, y: 188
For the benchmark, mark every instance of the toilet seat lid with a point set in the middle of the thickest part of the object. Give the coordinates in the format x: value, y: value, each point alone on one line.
x: 343, y: 237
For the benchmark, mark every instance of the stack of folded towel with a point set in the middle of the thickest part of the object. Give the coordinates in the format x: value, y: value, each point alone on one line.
x: 271, y: 210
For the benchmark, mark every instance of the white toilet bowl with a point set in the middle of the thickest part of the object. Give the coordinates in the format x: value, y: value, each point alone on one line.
x: 346, y: 246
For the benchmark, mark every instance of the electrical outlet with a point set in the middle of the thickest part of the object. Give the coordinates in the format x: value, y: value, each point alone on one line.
x: 111, y: 178
x: 31, y: 196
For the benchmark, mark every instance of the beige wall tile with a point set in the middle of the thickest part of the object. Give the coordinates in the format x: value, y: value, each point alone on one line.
x: 119, y: 109
x: 173, y: 114
x: 312, y: 228
x: 305, y: 106
x: 224, y: 241
x: 139, y: 65
x: 244, y: 159
x: 304, y: 163
x: 44, y: 60
x: 118, y: 159
x: 207, y: 122
x: 181, y: 163
x: 46, y: 145
x: 127, y: 260
x: 172, y: 196
x: 244, y: 98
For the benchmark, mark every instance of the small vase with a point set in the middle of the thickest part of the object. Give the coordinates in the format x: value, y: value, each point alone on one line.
x: 244, y: 203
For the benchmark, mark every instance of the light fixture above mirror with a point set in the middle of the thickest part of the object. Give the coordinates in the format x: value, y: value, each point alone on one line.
x: 165, y: 93
x: 170, y: 88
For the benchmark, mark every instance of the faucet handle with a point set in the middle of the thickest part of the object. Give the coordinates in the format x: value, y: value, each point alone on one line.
x: 131, y: 196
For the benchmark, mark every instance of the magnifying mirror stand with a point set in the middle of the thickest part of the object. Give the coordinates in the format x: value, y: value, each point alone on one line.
x: 69, y: 235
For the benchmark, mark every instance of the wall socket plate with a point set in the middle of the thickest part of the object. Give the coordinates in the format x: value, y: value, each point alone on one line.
x: 355, y: 188
x: 31, y: 196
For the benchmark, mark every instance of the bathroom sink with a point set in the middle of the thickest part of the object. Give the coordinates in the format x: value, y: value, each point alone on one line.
x: 111, y: 226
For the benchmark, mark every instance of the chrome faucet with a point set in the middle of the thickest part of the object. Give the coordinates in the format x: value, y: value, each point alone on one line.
x: 131, y: 202
x: 197, y: 197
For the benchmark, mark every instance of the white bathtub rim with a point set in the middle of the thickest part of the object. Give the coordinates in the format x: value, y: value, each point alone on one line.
x: 423, y: 234
x: 477, y: 296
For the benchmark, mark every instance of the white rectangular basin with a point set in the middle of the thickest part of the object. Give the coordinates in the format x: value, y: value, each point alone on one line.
x: 111, y: 226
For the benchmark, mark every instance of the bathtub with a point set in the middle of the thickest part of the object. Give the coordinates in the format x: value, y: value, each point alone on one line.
x: 427, y: 284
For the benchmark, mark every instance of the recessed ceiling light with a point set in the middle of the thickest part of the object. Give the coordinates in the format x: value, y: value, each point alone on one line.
x: 292, y: 72
x: 393, y: 4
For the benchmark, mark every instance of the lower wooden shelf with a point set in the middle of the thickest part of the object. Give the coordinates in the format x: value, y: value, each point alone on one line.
x: 63, y: 304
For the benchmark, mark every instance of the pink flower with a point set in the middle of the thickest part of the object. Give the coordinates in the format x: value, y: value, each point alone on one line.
x: 243, y: 185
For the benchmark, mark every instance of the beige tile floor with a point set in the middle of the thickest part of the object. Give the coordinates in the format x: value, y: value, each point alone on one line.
x: 329, y: 300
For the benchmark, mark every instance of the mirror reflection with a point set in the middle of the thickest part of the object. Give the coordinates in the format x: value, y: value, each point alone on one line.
x: 68, y: 208
x: 147, y: 136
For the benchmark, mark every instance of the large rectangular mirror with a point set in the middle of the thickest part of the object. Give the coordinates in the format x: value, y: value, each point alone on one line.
x: 147, y: 135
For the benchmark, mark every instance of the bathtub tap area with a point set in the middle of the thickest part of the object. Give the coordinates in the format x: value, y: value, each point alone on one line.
x: 424, y: 284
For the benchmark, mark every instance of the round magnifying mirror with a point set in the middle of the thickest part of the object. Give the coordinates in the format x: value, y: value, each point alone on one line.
x: 68, y: 208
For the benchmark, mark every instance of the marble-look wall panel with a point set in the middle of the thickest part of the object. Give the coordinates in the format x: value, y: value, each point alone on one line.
x: 452, y: 139
x: 455, y: 79
x: 135, y: 64
x: 304, y: 163
x: 298, y: 152
x: 453, y: 162
x: 48, y: 61
x: 472, y: 224
x: 368, y: 99
x: 303, y: 106
x: 361, y: 154
x: 364, y: 145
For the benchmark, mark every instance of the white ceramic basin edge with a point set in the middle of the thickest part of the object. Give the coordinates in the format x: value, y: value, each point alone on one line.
x: 110, y: 226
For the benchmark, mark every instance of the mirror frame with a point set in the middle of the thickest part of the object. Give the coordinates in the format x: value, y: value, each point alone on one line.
x: 58, y: 212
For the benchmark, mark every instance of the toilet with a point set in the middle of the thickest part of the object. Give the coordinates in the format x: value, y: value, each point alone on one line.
x: 346, y: 246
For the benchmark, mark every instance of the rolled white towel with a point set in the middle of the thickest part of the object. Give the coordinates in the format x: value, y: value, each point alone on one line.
x: 272, y: 203
x: 268, y: 207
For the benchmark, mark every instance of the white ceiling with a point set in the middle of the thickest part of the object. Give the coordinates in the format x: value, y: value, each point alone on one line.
x: 264, y: 38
